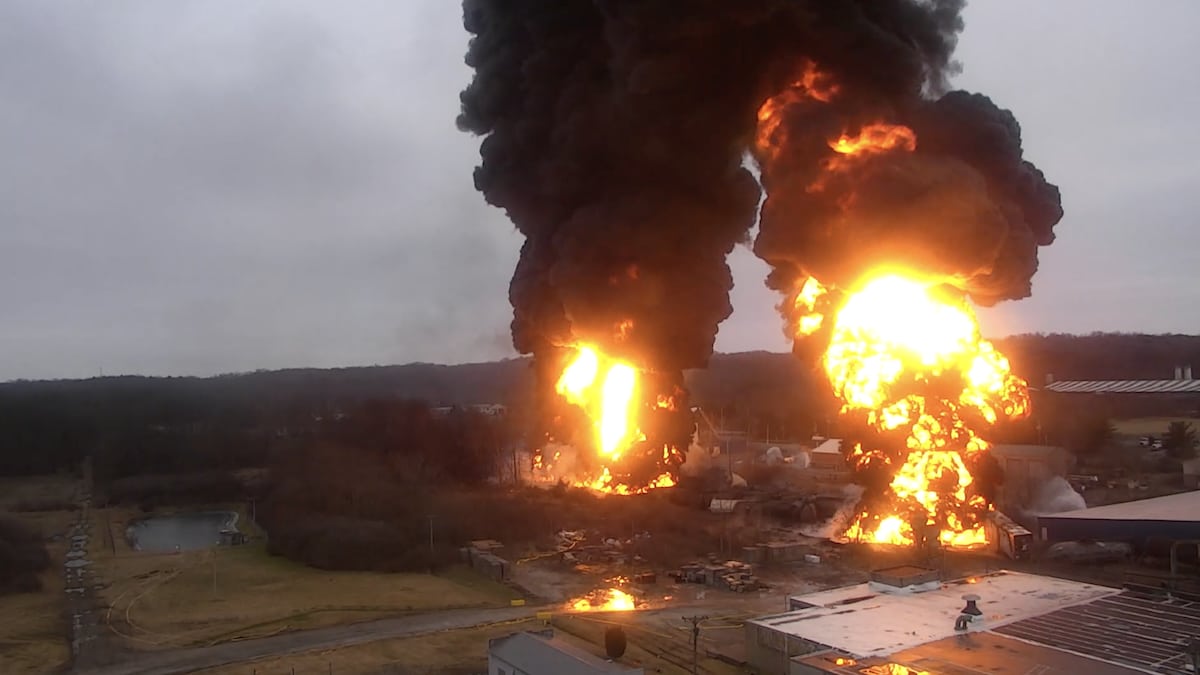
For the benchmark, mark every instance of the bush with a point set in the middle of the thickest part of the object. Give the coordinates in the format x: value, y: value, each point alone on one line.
x: 44, y: 504
x: 22, y: 556
x: 151, y: 491
x: 340, y: 543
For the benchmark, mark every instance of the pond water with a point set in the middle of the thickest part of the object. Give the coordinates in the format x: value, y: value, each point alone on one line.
x: 180, y: 531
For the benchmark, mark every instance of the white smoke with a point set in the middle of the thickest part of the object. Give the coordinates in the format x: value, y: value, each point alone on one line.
x: 840, y: 521
x: 698, y: 459
x: 1055, y: 496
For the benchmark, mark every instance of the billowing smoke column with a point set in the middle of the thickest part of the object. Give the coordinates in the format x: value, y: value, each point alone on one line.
x: 888, y: 204
x: 862, y: 167
x: 616, y: 135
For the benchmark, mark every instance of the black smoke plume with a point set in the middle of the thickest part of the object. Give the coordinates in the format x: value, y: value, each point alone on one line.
x: 963, y: 204
x: 615, y: 136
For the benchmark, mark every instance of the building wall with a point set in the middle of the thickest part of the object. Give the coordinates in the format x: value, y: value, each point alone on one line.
x: 497, y: 666
x: 1136, y: 531
x: 761, y: 652
x: 1026, y: 468
x: 765, y: 650
x: 798, y: 668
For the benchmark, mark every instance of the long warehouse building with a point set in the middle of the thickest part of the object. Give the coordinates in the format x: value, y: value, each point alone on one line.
x: 1174, y: 516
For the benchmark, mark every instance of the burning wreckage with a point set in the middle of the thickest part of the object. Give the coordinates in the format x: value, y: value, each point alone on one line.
x: 635, y: 144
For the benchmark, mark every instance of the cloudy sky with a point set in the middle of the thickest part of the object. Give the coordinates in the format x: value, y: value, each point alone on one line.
x: 204, y: 186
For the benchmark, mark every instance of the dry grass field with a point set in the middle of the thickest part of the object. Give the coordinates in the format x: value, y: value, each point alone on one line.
x: 32, y: 625
x: 650, y: 645
x: 456, y: 651
x: 15, y: 492
x: 206, y: 597
x: 33, y: 632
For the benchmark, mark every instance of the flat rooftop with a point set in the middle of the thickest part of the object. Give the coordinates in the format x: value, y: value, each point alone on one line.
x: 974, y: 654
x: 863, y: 621
x: 1184, y: 506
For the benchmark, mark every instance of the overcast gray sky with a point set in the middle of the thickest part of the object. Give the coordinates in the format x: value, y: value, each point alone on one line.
x: 204, y: 186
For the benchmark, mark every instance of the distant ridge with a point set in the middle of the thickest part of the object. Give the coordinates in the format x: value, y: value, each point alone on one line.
x: 755, y: 374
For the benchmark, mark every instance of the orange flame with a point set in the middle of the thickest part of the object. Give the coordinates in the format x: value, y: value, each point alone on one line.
x: 876, y: 138
x: 812, y: 85
x: 805, y: 303
x: 611, y: 405
x: 871, y: 141
x: 610, y: 600
x: 891, y: 341
x: 607, y: 389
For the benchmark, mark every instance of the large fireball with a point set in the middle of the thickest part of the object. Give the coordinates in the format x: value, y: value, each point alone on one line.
x: 906, y: 357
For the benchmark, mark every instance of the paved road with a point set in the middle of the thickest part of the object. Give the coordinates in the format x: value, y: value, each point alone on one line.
x: 191, y: 660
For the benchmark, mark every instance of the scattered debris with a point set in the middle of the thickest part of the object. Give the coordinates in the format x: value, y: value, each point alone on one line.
x: 481, y: 556
x: 732, y: 574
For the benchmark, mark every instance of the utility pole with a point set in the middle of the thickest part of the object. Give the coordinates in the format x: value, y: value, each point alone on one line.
x: 430, y: 539
x: 695, y: 621
x: 432, y: 555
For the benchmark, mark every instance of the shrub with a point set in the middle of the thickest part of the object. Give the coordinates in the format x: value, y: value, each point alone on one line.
x: 43, y: 504
x: 341, y: 543
x: 156, y: 490
x: 22, y: 556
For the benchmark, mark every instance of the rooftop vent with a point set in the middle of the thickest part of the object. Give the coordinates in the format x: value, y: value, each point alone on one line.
x: 972, y: 608
x: 904, y: 576
x: 968, y: 614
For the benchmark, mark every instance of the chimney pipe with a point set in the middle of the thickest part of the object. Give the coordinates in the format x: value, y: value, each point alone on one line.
x: 1178, y: 373
x: 968, y: 614
x: 1049, y: 378
x: 1187, y: 372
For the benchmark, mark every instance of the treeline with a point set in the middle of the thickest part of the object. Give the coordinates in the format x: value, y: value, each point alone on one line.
x: 139, y: 425
x: 360, y: 495
x: 764, y: 394
x: 146, y: 425
x: 1100, y: 356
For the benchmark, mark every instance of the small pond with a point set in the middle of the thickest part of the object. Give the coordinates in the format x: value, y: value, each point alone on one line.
x: 180, y: 531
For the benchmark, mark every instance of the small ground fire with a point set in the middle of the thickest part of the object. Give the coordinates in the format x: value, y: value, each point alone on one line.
x: 604, y: 600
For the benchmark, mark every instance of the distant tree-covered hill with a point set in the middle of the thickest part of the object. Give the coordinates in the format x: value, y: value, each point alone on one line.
x: 50, y: 425
x: 1101, y: 356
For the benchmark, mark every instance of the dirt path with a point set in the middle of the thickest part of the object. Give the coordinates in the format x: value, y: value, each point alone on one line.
x: 191, y: 660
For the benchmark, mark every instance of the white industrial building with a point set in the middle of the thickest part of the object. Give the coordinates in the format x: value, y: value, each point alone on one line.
x: 1000, y: 623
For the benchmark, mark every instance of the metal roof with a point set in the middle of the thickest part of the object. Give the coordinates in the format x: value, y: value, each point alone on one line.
x: 1125, y: 387
x: 542, y: 654
x: 1184, y: 506
x: 1139, y: 630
